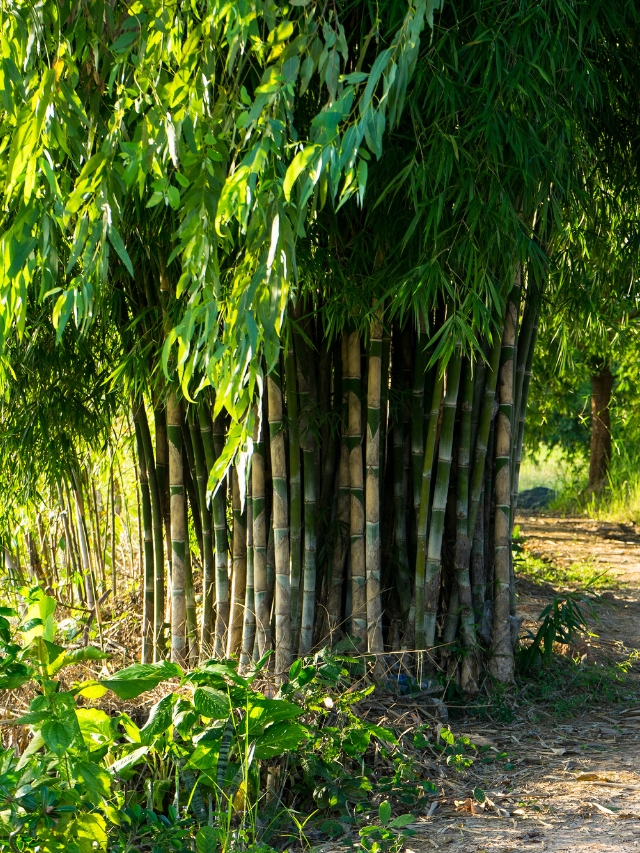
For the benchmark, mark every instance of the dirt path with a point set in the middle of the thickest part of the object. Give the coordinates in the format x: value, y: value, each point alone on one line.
x: 567, y: 782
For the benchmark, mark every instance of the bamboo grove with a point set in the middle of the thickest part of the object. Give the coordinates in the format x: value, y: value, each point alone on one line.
x: 293, y: 260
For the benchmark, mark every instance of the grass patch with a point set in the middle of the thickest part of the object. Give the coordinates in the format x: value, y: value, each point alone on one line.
x: 579, y: 575
x: 566, y: 688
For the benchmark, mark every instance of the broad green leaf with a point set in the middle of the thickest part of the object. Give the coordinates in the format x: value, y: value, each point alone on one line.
x: 207, y: 839
x: 280, y: 738
x: 160, y: 717
x: 402, y: 821
x: 58, y: 735
x: 94, y: 778
x: 384, y: 812
x: 119, y: 767
x: 90, y: 832
x: 96, y: 726
x: 138, y: 678
x: 211, y: 703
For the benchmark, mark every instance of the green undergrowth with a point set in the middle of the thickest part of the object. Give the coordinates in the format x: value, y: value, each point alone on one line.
x: 580, y: 574
x: 224, y: 762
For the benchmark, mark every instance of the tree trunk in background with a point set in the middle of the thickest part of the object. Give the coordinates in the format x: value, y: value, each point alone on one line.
x: 600, y: 450
x: 178, y: 532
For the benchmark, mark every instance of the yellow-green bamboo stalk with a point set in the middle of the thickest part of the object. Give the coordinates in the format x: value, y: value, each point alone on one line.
x: 501, y: 663
x: 249, y: 624
x: 356, y: 480
x: 178, y: 531
x: 239, y: 573
x: 373, y: 552
x: 223, y: 605
x: 190, y: 599
x: 439, y: 503
x: 282, y: 603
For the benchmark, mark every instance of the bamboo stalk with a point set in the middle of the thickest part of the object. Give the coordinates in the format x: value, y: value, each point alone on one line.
x: 439, y: 503
x: 159, y: 644
x: 178, y: 531
x: 340, y: 543
x: 501, y: 663
x: 484, y: 427
x: 463, y: 539
x: 213, y: 441
x: 295, y: 492
x: 114, y: 573
x: 282, y: 597
x: 223, y: 604
x: 148, y: 583
x: 258, y: 487
x: 425, y: 507
x: 84, y: 542
x: 417, y: 420
x: 373, y: 551
x: 239, y: 571
x: 249, y: 623
x: 190, y: 603
x: 356, y: 480
x: 307, y: 442
x: 208, y: 564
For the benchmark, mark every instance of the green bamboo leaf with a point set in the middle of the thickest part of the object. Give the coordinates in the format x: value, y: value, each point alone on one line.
x: 297, y: 166
x: 116, y: 241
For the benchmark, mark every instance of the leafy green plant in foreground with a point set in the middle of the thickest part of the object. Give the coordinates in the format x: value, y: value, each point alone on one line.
x: 196, y: 769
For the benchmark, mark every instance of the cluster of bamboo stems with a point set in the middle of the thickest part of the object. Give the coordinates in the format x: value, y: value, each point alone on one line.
x: 377, y: 502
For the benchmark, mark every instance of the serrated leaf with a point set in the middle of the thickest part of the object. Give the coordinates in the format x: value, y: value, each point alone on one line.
x: 58, y: 735
x: 95, y: 779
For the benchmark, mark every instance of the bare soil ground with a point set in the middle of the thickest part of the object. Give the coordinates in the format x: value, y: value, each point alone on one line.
x: 571, y: 779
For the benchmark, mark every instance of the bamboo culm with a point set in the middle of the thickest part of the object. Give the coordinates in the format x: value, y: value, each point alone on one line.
x: 282, y: 603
